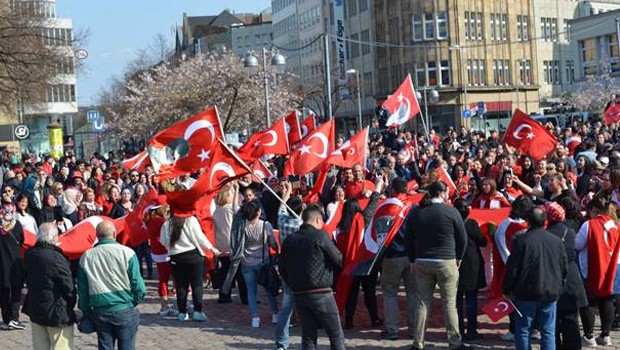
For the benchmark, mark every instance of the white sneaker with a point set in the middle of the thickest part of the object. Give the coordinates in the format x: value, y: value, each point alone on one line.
x: 588, y: 343
x: 274, y: 318
x: 255, y: 322
x: 508, y: 337
x: 603, y: 341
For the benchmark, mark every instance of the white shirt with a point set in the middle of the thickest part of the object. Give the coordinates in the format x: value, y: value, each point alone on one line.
x: 28, y: 222
x: 191, y: 238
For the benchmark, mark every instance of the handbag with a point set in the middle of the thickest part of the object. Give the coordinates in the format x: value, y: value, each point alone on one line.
x: 268, y: 276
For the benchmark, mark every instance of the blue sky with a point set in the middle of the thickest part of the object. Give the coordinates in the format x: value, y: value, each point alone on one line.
x: 118, y: 28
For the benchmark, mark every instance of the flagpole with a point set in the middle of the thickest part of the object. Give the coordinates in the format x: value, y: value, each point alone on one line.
x: 515, y: 307
x: 261, y: 180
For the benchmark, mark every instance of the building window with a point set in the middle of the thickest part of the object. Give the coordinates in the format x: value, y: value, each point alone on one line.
x: 612, y: 53
x: 567, y: 30
x: 589, y: 56
x: 525, y: 72
x: 479, y: 26
x: 523, y: 23
x: 504, y: 28
x: 444, y: 70
x: 420, y: 76
x: 417, y: 28
x: 570, y: 71
x: 363, y: 5
x: 431, y: 69
x: 468, y: 25
x: 551, y: 72
x: 429, y: 32
x: 442, y: 25
x: 367, y: 83
x: 476, y: 72
x: 501, y: 72
x: 355, y: 47
x: 61, y: 93
x: 549, y: 29
x: 352, y: 8
x: 365, y: 42
x: 473, y: 25
x: 493, y: 27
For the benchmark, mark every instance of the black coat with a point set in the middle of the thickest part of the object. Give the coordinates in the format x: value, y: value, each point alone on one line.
x: 573, y: 294
x: 51, y: 294
x: 11, y: 263
x: 536, y: 267
x: 471, y: 272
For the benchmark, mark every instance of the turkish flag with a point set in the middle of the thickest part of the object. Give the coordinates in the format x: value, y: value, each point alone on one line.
x: 352, y: 152
x: 402, y: 104
x: 260, y: 171
x: 135, y: 231
x: 308, y: 125
x: 246, y: 151
x: 486, y: 216
x: 498, y: 308
x: 273, y: 141
x: 445, y: 177
x: 529, y: 137
x: 407, y: 152
x: 312, y: 151
x: 333, y: 220
x: 225, y: 166
x: 185, y: 147
x: 293, y: 128
x: 83, y: 236
x: 612, y: 114
x: 313, y: 195
x: 137, y: 162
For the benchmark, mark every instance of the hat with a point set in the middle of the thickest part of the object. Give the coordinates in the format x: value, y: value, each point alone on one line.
x: 555, y: 212
x: 78, y: 173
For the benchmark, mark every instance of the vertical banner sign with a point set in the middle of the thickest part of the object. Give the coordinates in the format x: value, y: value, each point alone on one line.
x: 56, y: 143
x: 341, y: 48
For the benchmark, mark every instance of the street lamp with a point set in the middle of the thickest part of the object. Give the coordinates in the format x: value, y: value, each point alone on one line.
x: 433, y: 98
x: 277, y: 60
x: 463, y: 73
x: 359, y: 97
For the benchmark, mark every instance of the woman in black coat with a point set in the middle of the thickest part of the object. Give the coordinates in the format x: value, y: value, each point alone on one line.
x: 573, y: 294
x: 51, y: 295
x: 471, y: 274
x: 11, y: 267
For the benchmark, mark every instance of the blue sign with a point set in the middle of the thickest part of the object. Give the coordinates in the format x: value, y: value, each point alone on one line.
x: 92, y: 115
x: 466, y: 114
x: 98, y: 124
x: 481, y: 108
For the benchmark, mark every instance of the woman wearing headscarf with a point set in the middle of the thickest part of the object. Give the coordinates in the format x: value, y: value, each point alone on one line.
x: 12, y: 275
x: 573, y: 297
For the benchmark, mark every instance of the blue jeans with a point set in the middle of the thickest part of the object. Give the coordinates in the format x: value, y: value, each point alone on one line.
x: 284, y: 317
x: 250, y: 275
x: 117, y: 327
x: 535, y: 312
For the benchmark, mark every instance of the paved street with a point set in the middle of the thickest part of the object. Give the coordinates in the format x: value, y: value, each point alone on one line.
x: 228, y: 327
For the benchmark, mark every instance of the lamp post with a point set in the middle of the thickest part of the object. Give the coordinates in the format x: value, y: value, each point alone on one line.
x: 359, y: 97
x: 463, y: 74
x: 433, y: 98
x: 277, y: 60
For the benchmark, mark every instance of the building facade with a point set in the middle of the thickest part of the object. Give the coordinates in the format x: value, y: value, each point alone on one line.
x: 473, y: 53
x: 60, y: 104
x: 556, y: 57
x: 251, y: 37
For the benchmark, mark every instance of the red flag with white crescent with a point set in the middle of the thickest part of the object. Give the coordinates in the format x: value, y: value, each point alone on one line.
x: 83, y: 236
x: 186, y: 146
x: 498, y: 309
x: 135, y: 228
x: 260, y: 171
x: 312, y: 151
x: 402, y: 104
x: 137, y: 162
x: 352, y: 152
x: 529, y: 137
x: 274, y: 141
x: 293, y: 128
x: 308, y: 125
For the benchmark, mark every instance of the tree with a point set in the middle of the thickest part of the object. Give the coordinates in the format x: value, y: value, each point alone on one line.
x: 29, y: 57
x: 592, y: 95
x: 157, y: 97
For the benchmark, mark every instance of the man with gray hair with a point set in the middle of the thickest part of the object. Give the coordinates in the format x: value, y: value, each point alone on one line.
x: 110, y: 287
x: 51, y: 296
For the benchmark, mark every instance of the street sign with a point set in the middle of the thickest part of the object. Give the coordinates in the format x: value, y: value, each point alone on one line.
x: 98, y: 124
x: 466, y: 114
x: 81, y: 54
x: 482, y: 107
x: 21, y: 132
x: 92, y: 115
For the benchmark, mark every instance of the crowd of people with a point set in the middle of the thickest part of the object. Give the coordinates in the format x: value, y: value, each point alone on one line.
x: 554, y: 256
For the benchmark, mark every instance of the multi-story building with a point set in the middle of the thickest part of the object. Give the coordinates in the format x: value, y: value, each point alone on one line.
x: 556, y: 58
x: 202, y: 34
x: 470, y: 51
x: 251, y: 37
x: 286, y: 34
x: 60, y: 102
x: 595, y: 44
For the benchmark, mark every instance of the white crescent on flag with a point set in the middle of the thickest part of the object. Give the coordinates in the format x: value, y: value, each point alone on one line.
x: 517, y: 133
x: 197, y: 125
x: 325, y: 143
x: 221, y: 166
x: 274, y: 138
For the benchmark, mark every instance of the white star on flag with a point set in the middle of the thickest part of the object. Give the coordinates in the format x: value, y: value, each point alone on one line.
x: 203, y: 155
x: 530, y: 135
x: 400, y: 97
x: 304, y: 149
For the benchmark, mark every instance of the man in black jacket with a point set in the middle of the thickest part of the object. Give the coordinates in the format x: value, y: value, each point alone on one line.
x: 307, y: 263
x: 51, y: 295
x: 436, y: 241
x: 535, y: 273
